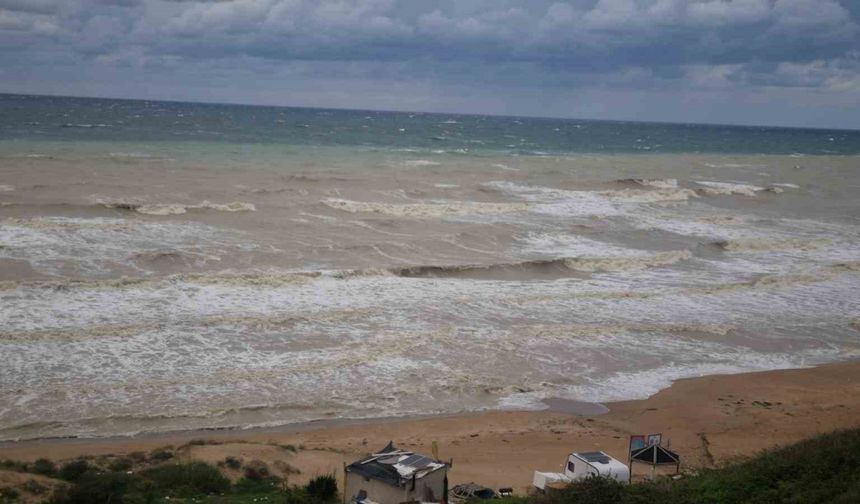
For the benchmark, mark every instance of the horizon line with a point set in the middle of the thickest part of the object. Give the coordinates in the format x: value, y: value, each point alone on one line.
x: 400, y: 111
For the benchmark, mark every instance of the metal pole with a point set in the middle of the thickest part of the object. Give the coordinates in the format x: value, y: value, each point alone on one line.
x: 654, y: 467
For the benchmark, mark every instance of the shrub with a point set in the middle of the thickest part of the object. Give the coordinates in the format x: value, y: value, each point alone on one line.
x: 186, y: 480
x: 14, y: 465
x: 256, y: 470
x: 95, y: 488
x: 232, y: 462
x: 247, y: 486
x: 72, y: 471
x: 9, y: 495
x: 44, y: 467
x: 34, y: 487
x: 138, y: 457
x: 592, y: 490
x: 161, y: 454
x: 322, y: 488
x: 121, y: 464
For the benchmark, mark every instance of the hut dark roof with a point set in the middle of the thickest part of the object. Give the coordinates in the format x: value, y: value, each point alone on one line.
x: 394, y: 466
x: 655, y: 454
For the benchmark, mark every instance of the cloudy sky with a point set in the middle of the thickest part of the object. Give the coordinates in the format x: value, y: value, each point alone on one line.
x: 782, y: 62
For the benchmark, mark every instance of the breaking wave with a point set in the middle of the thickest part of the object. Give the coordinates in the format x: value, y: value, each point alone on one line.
x: 425, y: 210
x: 417, y: 163
x: 172, y: 257
x: 550, y: 268
x: 769, y: 281
x: 524, y: 270
x: 655, y: 183
x: 256, y: 322
x: 763, y: 245
x: 174, y: 208
x: 650, y: 196
x: 601, y: 202
x: 64, y: 223
x: 727, y: 188
x: 585, y: 330
x: 249, y: 279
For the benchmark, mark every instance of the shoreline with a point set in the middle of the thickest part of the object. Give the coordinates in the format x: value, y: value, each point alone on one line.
x: 709, y: 420
x: 553, y: 405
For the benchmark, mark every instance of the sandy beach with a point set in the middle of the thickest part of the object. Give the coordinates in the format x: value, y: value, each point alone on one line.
x: 708, y: 420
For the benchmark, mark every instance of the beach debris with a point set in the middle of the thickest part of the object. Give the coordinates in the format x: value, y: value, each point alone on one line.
x: 468, y: 492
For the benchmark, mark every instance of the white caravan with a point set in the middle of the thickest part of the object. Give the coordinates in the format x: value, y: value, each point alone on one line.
x: 582, y: 465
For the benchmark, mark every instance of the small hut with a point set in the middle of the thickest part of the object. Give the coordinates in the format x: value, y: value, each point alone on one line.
x: 655, y: 455
x: 394, y: 476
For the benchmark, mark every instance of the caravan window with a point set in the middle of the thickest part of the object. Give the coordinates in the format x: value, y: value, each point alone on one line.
x: 570, y: 466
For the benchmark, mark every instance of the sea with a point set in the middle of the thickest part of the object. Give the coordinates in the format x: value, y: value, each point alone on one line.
x: 168, y: 266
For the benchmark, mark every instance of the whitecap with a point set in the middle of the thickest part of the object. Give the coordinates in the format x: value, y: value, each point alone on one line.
x: 728, y: 188
x: 414, y: 163
x: 425, y: 210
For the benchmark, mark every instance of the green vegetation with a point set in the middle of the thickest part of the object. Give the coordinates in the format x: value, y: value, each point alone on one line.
x: 822, y: 469
x: 44, y: 467
x: 74, y: 470
x: 194, y: 482
x: 185, y: 480
x: 818, y: 470
x: 232, y: 462
x: 322, y: 489
x: 9, y: 495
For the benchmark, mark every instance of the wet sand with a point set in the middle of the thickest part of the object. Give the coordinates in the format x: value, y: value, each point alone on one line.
x: 709, y: 420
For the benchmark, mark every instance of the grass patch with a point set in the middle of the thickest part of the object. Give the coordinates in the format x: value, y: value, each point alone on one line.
x: 821, y: 469
x: 44, y: 467
x: 186, y: 480
x: 194, y: 482
x: 74, y: 470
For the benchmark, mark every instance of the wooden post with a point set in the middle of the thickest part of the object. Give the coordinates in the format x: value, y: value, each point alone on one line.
x: 630, y: 461
x: 344, y: 483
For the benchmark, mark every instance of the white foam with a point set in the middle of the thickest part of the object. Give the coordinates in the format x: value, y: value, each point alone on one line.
x: 163, y: 209
x: 257, y: 340
x: 765, y: 245
x: 654, y: 196
x: 98, y: 246
x: 439, y: 209
x: 655, y: 183
x: 560, y: 202
x: 731, y: 165
x: 6, y: 188
x: 583, y: 254
x: 728, y: 188
x: 607, y: 264
x: 421, y: 162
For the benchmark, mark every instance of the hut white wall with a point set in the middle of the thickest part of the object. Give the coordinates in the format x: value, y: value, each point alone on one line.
x: 428, y: 489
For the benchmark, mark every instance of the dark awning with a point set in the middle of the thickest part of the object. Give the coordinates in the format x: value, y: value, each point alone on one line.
x: 656, y: 455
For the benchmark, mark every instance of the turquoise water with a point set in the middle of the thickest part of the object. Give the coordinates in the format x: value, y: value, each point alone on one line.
x: 89, y: 119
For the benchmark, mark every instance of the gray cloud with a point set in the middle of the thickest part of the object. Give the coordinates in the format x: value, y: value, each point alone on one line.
x: 708, y: 46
